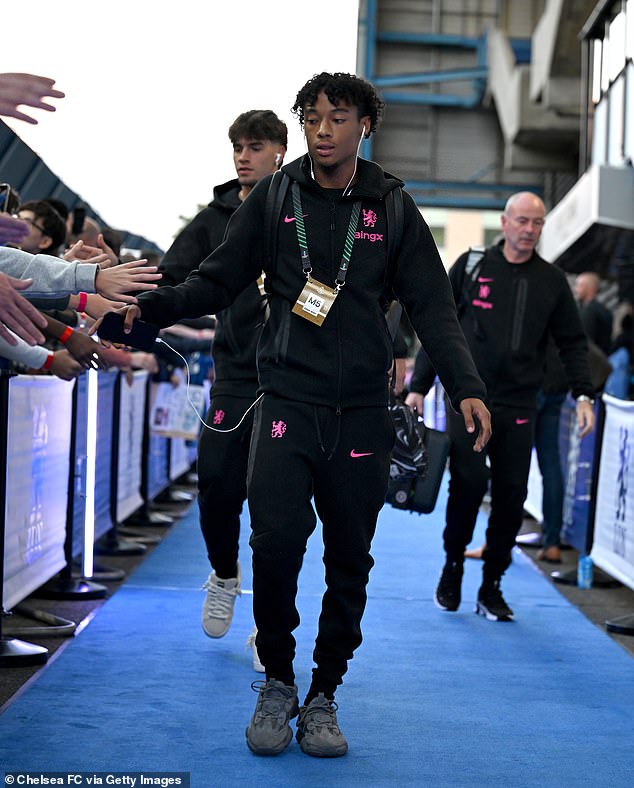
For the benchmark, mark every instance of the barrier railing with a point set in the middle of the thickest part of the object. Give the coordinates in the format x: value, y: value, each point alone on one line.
x: 43, y: 444
x: 613, y: 539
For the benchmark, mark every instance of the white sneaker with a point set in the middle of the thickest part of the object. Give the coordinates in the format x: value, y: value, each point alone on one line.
x: 218, y: 605
x: 258, y: 667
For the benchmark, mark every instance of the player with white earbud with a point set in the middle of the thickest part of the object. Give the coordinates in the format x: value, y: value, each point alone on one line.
x: 259, y: 140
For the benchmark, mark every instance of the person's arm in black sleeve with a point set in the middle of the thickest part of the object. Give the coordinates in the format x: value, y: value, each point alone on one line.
x: 200, y: 323
x: 422, y: 285
x: 59, y: 303
x: 222, y: 276
x: 399, y: 349
x: 190, y: 247
x: 424, y: 374
x: 400, y: 345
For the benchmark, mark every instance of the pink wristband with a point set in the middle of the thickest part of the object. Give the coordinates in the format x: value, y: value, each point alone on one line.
x: 83, y: 300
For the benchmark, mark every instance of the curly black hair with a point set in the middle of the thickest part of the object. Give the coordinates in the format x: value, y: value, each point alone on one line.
x: 341, y: 87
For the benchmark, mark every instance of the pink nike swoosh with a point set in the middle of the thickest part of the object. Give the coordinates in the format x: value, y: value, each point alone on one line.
x: 289, y: 219
x: 354, y: 453
x: 522, y: 421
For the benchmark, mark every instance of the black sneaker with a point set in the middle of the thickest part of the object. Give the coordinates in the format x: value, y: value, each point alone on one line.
x: 447, y: 594
x: 269, y: 732
x: 318, y: 733
x: 491, y: 603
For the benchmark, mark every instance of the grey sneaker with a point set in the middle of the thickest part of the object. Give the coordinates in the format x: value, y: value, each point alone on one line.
x: 218, y: 605
x: 318, y: 733
x: 269, y: 732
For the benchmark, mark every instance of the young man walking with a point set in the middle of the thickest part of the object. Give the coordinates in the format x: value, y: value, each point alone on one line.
x: 510, y: 302
x: 322, y: 429
x: 259, y: 140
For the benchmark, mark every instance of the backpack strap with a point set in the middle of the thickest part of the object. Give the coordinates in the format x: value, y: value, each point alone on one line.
x: 272, y: 211
x: 393, y: 318
x: 472, y: 269
x: 395, y: 221
x: 394, y: 211
x: 474, y: 262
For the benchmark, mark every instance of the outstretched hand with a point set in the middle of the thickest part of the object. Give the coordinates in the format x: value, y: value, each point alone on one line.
x: 64, y: 366
x: 86, y: 351
x: 102, y: 254
x: 28, y: 90
x: 474, y: 410
x: 114, y: 283
x: 12, y: 229
x: 17, y: 313
x: 81, y: 253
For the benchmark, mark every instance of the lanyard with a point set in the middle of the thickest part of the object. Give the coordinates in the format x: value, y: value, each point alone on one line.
x: 303, y: 245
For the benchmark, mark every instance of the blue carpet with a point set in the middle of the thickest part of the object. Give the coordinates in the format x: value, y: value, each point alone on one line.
x: 431, y: 698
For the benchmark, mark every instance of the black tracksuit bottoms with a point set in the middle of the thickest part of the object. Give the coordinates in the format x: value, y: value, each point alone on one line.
x: 302, y: 452
x: 223, y: 459
x: 509, y: 452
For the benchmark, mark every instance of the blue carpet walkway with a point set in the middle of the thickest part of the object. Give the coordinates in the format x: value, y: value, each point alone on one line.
x: 431, y: 699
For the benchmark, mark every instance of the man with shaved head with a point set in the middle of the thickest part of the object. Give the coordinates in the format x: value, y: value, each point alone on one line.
x: 509, y: 302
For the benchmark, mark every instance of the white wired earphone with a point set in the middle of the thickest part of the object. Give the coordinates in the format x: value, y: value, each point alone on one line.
x: 312, y: 174
x: 189, y: 399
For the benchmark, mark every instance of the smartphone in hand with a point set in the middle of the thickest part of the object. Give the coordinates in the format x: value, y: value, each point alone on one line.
x: 141, y: 337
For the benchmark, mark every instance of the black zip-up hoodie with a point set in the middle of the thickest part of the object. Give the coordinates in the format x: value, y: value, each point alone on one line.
x: 346, y: 361
x: 238, y: 326
x: 512, y: 310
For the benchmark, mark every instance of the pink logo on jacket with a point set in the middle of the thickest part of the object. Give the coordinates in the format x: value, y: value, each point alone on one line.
x: 484, y: 293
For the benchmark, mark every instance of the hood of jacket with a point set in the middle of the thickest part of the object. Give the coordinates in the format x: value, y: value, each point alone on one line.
x: 226, y: 196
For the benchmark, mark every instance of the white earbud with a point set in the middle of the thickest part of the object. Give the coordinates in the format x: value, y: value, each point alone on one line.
x: 278, y: 158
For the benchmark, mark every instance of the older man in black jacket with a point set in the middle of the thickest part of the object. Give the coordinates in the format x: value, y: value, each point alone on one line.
x: 510, y: 301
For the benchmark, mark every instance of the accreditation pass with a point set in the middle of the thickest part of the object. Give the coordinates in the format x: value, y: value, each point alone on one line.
x: 315, y: 301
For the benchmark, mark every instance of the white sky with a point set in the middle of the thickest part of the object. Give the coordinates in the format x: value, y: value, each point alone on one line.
x: 152, y: 87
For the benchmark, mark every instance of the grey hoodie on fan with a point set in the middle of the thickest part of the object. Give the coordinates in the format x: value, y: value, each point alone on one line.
x: 53, y: 278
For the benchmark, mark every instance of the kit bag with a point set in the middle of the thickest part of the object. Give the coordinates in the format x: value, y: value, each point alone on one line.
x: 409, y: 458
x: 419, y: 456
x: 420, y: 493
